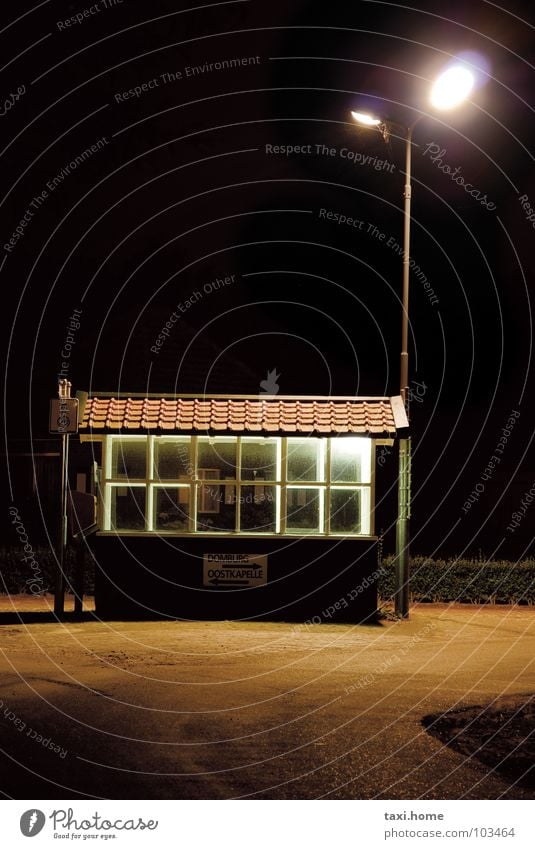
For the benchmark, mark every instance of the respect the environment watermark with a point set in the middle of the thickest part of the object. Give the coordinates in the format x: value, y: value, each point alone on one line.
x: 40, y: 198
x: 185, y: 73
x: 369, y: 228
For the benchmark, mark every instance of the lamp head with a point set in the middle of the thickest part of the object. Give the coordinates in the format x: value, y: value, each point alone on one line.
x: 366, y: 119
x: 452, y: 87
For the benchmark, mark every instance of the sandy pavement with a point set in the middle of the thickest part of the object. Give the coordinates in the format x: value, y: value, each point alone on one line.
x: 257, y: 710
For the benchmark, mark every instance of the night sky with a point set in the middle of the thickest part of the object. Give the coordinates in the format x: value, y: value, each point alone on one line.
x: 146, y: 170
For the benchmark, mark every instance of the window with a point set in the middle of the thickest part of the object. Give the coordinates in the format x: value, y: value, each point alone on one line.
x: 350, y: 460
x: 171, y: 508
x: 219, y: 454
x: 172, y: 459
x: 260, y: 459
x: 216, y: 508
x: 127, y: 508
x: 345, y: 511
x: 306, y: 459
x: 238, y: 485
x: 304, y: 510
x: 208, y: 493
x: 129, y: 458
x: 258, y: 509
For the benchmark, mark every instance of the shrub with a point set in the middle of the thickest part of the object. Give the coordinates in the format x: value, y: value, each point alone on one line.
x: 470, y: 581
x: 16, y: 575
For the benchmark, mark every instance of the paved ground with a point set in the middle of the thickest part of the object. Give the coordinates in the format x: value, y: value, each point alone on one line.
x: 225, y: 710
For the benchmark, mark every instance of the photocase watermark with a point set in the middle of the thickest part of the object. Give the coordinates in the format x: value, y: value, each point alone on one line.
x: 343, y: 602
x: 11, y: 100
x: 185, y: 73
x: 370, y: 677
x: 415, y: 393
x: 436, y: 156
x: 96, y: 825
x: 41, y: 197
x: 492, y: 463
x: 66, y: 820
x: 70, y: 339
x: 270, y: 386
x: 32, y: 822
x: 88, y: 12
x: 29, y: 732
x: 185, y: 305
x: 35, y: 583
x: 520, y: 512
x: 354, y: 156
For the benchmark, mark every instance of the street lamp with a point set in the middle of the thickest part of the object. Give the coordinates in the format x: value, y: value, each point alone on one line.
x: 449, y: 90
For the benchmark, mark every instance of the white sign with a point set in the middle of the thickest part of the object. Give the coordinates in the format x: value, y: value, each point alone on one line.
x: 234, y: 570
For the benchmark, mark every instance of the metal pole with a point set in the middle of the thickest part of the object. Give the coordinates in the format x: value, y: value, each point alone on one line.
x: 64, y: 394
x: 59, y: 597
x: 404, y: 474
x: 404, y: 364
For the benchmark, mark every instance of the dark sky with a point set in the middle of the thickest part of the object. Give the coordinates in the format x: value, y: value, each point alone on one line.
x: 181, y: 191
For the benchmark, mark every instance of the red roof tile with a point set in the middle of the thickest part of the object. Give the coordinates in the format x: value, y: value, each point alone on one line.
x: 330, y: 415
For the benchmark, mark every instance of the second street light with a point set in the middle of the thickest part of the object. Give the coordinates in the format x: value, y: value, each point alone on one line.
x: 450, y: 89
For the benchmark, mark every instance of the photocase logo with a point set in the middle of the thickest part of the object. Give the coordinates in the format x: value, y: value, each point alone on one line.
x: 269, y: 386
x: 31, y: 822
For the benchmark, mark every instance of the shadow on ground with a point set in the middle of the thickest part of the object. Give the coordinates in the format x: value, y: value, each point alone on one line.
x: 500, y: 735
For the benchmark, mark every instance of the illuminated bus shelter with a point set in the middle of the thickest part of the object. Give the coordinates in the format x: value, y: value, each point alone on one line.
x: 237, y: 507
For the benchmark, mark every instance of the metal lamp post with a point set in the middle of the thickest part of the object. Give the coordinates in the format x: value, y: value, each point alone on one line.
x: 449, y: 90
x: 405, y: 452
x: 63, y: 421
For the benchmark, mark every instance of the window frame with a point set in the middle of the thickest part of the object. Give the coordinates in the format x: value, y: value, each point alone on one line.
x: 193, y: 482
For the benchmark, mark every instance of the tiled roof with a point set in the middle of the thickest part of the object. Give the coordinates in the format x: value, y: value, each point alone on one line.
x: 238, y: 414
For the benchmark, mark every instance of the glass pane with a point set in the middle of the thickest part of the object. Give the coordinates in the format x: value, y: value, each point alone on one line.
x: 129, y: 458
x: 259, y: 459
x: 350, y: 459
x: 345, y: 511
x: 216, y: 508
x: 127, y: 508
x: 217, y: 454
x: 258, y: 509
x: 305, y: 460
x: 171, y: 509
x: 172, y: 459
x: 303, y: 510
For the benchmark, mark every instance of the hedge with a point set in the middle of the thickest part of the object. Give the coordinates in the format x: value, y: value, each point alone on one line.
x: 19, y: 576
x: 470, y: 581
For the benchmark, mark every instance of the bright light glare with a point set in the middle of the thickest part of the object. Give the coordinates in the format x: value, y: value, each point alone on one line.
x: 348, y: 446
x: 367, y: 120
x: 452, y: 87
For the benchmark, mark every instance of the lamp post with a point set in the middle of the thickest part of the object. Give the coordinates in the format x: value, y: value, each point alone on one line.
x: 450, y: 89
